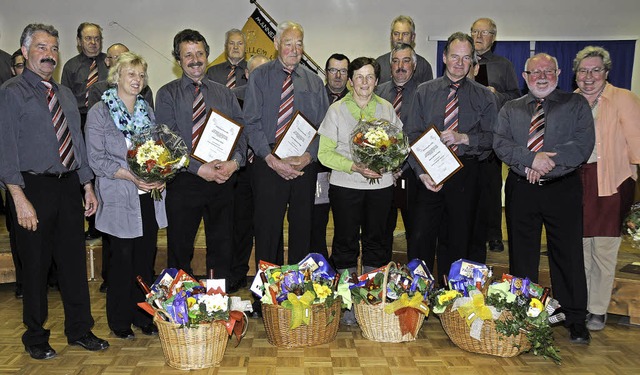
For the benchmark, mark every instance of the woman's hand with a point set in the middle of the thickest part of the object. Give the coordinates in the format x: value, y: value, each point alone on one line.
x: 364, y: 171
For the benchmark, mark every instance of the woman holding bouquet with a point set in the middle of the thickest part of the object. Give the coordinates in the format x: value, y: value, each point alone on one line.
x: 360, y: 208
x: 608, y: 178
x: 127, y: 213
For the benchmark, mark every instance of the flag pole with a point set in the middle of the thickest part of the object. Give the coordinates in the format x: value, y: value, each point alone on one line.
x: 255, y: 2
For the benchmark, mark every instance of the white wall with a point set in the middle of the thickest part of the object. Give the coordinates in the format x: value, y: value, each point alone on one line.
x: 353, y: 27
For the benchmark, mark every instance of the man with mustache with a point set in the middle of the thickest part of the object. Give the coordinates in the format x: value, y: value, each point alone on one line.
x: 403, y: 30
x: 283, y: 185
x: 464, y: 112
x: 544, y: 137
x: 399, y: 91
x: 45, y: 192
x: 204, y: 190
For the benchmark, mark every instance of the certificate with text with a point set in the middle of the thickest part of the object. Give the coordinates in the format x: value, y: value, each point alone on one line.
x: 435, y: 157
x: 297, y: 137
x: 218, y: 139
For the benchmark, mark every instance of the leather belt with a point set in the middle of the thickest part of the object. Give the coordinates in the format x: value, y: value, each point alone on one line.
x: 543, y: 181
x: 53, y: 175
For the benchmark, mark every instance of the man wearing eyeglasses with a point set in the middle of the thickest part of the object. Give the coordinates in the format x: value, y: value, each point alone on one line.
x: 501, y: 79
x: 403, y: 30
x: 17, y: 63
x: 544, y: 137
x: 464, y: 112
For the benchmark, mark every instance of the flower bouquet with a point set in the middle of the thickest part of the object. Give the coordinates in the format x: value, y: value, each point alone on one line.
x: 391, y: 302
x: 300, y: 303
x: 157, y: 155
x: 379, y: 145
x: 631, y: 224
x: 503, y: 318
x: 194, y: 319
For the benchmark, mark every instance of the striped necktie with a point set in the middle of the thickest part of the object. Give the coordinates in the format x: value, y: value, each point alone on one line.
x: 397, y: 102
x: 451, y: 111
x: 536, y: 130
x: 198, y: 114
x: 286, y: 104
x: 91, y: 79
x: 65, y: 144
x: 231, y: 77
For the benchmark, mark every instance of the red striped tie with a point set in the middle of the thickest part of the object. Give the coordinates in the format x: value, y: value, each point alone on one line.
x: 231, y: 77
x: 286, y: 104
x: 65, y: 144
x: 198, y: 115
x: 91, y: 79
x: 536, y: 130
x: 397, y: 102
x: 451, y: 111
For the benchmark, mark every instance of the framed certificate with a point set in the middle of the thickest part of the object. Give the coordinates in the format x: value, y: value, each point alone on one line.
x: 218, y: 139
x: 435, y: 157
x: 297, y: 137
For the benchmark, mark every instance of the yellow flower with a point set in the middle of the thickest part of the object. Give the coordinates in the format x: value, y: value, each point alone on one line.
x: 535, y: 308
x: 190, y: 302
x: 535, y: 303
x: 322, y: 291
x: 448, y: 296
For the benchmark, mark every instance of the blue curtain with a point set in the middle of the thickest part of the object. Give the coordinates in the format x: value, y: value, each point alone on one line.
x: 516, y: 52
x: 621, y: 51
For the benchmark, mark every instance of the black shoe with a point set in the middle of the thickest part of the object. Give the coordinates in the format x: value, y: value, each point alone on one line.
x: 496, y: 245
x: 18, y: 292
x: 237, y: 285
x: 40, y: 351
x: 149, y: 330
x: 103, y: 287
x: 579, y: 334
x: 92, y: 235
x: 257, y: 309
x: 91, y: 342
x: 126, y: 334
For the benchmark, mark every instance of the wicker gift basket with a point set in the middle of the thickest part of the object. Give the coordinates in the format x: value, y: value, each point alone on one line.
x: 192, y: 348
x: 377, y: 325
x: 492, y: 342
x: 322, y: 327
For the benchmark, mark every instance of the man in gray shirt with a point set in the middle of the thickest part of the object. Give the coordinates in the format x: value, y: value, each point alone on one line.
x: 232, y: 71
x: 544, y: 137
x: 44, y: 186
x: 403, y: 30
x: 281, y: 185
x: 445, y: 213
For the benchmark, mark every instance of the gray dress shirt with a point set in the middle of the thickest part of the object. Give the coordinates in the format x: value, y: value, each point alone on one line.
x: 501, y: 76
x: 388, y: 91
x: 262, y: 102
x: 423, y: 71
x: 477, y: 114
x: 119, y: 212
x: 28, y: 142
x: 76, y: 72
x: 174, y: 107
x: 98, y: 88
x: 569, y: 131
x: 219, y: 72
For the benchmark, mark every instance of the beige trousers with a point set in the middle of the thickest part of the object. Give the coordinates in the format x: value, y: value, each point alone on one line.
x: 600, y: 259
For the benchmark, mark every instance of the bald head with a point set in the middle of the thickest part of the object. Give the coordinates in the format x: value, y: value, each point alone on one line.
x: 113, y: 53
x: 255, y: 61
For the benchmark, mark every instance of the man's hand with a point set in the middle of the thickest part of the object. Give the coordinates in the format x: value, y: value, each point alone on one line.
x: 225, y: 169
x: 216, y: 171
x: 532, y: 176
x: 90, y: 200
x: 429, y: 184
x: 283, y: 168
x: 298, y: 162
x: 492, y: 89
x: 27, y: 217
x: 543, y: 163
x: 452, y: 137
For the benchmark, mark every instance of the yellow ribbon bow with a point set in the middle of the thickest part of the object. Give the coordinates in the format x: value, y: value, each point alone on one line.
x: 476, y: 309
x: 300, y: 313
x: 404, y: 301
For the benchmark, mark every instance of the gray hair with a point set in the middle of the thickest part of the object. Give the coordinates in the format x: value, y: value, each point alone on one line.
x: 492, y: 25
x: 593, y: 51
x: 402, y: 47
x: 538, y: 55
x: 32, y: 28
x: 286, y: 25
x: 228, y: 34
x: 404, y: 19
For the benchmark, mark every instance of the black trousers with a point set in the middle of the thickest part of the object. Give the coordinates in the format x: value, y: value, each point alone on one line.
x: 488, y: 224
x: 273, y: 196
x: 131, y: 257
x: 242, y: 224
x: 443, y: 221
x: 360, y: 215
x: 60, y: 239
x: 189, y: 200
x: 557, y: 206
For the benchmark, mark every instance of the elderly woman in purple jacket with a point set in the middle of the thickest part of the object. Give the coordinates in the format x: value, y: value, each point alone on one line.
x: 127, y: 213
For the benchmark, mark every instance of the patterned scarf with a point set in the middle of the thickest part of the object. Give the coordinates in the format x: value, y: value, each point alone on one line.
x: 127, y: 123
